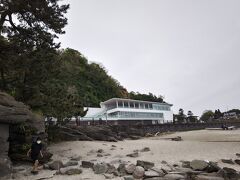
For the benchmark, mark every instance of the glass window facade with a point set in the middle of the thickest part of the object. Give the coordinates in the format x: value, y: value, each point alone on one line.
x: 125, y: 114
x: 161, y: 107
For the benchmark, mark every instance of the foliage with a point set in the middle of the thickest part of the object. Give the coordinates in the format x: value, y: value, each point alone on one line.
x: 145, y: 97
x: 237, y: 111
x: 207, y: 116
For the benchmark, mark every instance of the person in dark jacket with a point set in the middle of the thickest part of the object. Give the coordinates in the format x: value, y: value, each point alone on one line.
x: 34, y: 152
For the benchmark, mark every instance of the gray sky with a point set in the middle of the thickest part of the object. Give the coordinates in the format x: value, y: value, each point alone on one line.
x: 186, y: 50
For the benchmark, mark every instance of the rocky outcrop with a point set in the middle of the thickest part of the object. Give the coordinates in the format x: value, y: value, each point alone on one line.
x: 18, y: 125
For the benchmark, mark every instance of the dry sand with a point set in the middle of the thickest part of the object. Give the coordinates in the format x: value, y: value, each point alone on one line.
x: 212, y: 145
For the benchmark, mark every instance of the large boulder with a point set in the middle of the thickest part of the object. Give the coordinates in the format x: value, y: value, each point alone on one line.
x: 100, y: 168
x: 138, y: 172
x: 198, y: 165
x: 130, y: 168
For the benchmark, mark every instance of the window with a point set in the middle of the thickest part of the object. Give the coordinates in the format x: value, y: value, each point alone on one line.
x: 120, y: 104
x: 131, y: 105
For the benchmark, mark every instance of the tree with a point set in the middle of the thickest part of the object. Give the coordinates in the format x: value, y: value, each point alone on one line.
x: 191, y: 118
x: 36, y: 23
x: 181, y: 117
x: 207, y: 116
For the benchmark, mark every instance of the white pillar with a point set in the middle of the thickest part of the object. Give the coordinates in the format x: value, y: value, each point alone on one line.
x: 128, y: 104
x: 117, y: 103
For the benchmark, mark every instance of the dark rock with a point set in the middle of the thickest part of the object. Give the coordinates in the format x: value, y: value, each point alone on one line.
x: 114, y: 146
x: 178, y: 138
x: 100, y: 168
x: 228, y: 161
x: 138, y: 172
x: 237, y: 161
x: 135, y: 137
x: 145, y: 164
x: 146, y: 149
x: 164, y: 162
x: 134, y: 154
x: 238, y: 154
x: 198, y: 165
x: 56, y: 165
x: 212, y: 167
x: 100, y: 150
x: 87, y: 164
x: 229, y: 173
x: 99, y: 155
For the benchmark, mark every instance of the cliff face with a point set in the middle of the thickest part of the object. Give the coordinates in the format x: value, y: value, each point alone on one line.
x: 14, y: 112
x: 18, y: 127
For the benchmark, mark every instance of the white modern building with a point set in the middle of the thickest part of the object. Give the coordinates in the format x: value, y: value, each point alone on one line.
x: 126, y: 111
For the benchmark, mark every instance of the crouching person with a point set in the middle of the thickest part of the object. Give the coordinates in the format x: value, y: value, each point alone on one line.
x: 34, y: 152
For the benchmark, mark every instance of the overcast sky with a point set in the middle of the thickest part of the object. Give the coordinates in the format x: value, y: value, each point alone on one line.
x: 185, y: 50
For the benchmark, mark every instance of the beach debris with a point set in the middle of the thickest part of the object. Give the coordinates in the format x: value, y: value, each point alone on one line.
x: 134, y: 154
x: 55, y: 165
x: 100, y: 168
x: 87, y: 164
x: 145, y: 164
x: 228, y: 161
x: 198, y: 165
x: 238, y: 154
x: 138, y: 172
x: 149, y: 135
x: 99, y: 155
x: 145, y: 149
x: 130, y: 168
x: 114, y: 146
x: 178, y: 138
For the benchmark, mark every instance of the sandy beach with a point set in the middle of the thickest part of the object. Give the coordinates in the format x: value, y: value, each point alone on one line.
x: 211, y: 145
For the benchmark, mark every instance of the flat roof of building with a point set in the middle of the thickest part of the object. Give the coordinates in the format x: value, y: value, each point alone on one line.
x: 132, y: 100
